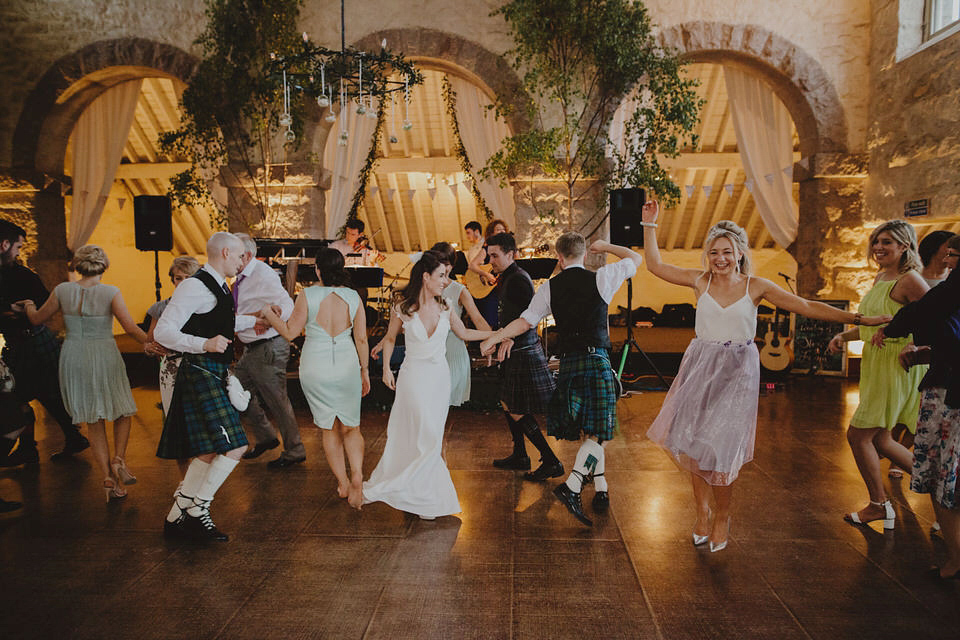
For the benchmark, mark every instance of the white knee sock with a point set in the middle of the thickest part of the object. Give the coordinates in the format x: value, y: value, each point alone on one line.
x: 220, y: 468
x: 192, y: 481
x: 599, y: 479
x: 588, y: 456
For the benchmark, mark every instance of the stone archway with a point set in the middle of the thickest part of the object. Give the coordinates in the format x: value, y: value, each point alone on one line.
x: 831, y: 185
x: 48, y: 118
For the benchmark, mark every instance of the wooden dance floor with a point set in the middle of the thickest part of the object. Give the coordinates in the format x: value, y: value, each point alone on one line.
x: 515, y: 564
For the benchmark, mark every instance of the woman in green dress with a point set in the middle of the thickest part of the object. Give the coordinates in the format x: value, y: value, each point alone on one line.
x: 888, y: 394
x: 93, y: 378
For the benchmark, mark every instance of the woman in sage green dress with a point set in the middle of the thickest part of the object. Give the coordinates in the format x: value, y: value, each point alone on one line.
x: 333, y: 366
x: 888, y: 394
x: 93, y: 378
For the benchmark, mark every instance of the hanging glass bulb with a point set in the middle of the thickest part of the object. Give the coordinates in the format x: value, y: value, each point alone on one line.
x: 343, y: 139
x: 331, y: 116
x: 285, y: 120
x: 323, y: 101
x: 290, y: 135
x: 361, y: 109
x: 407, y: 125
x: 393, y: 139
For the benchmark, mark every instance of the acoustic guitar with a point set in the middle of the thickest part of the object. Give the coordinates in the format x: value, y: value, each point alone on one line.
x: 475, y: 285
x: 776, y: 354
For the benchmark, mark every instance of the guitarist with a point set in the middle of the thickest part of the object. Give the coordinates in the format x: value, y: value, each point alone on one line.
x: 479, y: 279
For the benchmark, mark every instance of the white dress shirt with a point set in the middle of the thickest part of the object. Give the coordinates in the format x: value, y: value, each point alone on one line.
x: 190, y: 297
x: 260, y: 285
x: 609, y: 280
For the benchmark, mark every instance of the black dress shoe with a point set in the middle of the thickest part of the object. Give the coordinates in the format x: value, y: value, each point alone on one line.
x: 283, y: 463
x: 544, y: 471
x: 572, y: 502
x: 201, y: 528
x: 21, y: 456
x: 174, y: 529
x: 601, y: 500
x: 73, y: 445
x: 513, y: 462
x: 260, y: 448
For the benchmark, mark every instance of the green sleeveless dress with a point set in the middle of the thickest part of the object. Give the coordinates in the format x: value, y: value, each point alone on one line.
x: 888, y: 394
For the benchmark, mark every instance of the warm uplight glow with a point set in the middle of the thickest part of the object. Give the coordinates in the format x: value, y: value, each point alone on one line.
x: 855, y: 348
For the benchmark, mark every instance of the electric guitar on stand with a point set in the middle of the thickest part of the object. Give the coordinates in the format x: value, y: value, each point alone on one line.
x: 776, y: 354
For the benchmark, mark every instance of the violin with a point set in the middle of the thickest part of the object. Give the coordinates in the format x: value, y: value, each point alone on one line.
x: 363, y: 242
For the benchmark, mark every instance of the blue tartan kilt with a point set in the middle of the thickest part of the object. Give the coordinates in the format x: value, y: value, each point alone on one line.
x: 201, y: 419
x: 585, y: 399
x: 526, y: 382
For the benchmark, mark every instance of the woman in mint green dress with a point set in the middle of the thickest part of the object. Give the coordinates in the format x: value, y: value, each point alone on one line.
x: 333, y: 366
x: 888, y: 394
x: 93, y: 378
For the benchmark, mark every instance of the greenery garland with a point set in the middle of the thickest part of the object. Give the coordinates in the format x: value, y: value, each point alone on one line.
x: 450, y: 97
x: 368, y: 165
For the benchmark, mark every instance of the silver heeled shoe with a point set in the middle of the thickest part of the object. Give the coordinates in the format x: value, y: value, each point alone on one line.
x: 723, y: 545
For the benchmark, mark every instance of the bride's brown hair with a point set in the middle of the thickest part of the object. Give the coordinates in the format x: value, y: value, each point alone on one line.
x: 408, y: 298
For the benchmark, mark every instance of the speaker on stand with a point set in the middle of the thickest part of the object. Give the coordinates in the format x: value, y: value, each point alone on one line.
x: 626, y: 207
x: 153, y: 228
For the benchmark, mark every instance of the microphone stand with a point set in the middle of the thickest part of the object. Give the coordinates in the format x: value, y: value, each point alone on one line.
x: 631, y: 342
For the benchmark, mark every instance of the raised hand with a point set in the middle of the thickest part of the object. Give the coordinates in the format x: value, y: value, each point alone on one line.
x: 599, y: 246
x: 650, y: 211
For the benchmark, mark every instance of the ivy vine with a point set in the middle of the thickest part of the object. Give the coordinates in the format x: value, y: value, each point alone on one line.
x: 450, y: 98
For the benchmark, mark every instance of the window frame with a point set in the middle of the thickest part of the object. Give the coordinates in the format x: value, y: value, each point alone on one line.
x: 928, y: 12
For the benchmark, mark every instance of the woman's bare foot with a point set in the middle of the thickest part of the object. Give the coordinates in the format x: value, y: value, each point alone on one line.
x: 343, y: 493
x: 355, y: 495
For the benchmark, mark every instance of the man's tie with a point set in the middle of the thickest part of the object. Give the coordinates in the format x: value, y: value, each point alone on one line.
x: 236, y: 288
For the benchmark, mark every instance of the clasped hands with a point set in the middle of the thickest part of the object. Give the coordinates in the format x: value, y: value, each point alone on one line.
x: 488, y: 346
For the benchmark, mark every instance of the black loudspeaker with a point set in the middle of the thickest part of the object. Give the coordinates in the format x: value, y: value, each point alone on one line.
x: 625, y: 210
x: 153, y: 223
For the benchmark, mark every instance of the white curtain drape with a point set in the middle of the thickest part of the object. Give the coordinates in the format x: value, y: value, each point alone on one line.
x: 482, y: 133
x: 765, y: 142
x: 98, y: 141
x: 345, y: 162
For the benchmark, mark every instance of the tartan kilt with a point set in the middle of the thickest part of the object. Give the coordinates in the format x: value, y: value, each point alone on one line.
x: 525, y: 381
x: 585, y: 399
x: 201, y: 419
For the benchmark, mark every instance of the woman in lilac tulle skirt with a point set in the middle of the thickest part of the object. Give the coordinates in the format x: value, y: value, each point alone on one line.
x: 708, y: 421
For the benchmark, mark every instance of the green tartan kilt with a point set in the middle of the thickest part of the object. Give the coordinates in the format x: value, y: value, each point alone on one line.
x: 585, y: 399
x: 201, y: 419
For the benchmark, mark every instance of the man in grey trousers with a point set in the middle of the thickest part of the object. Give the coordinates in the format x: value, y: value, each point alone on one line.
x: 262, y: 369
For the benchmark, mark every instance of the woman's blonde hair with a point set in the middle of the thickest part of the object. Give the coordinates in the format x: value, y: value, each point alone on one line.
x: 737, y: 237
x: 89, y: 260
x: 903, y: 234
x: 186, y: 265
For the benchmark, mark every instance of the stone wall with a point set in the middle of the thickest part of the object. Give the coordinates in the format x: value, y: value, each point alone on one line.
x: 914, y: 140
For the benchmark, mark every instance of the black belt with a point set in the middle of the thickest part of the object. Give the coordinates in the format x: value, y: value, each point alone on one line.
x: 247, y: 345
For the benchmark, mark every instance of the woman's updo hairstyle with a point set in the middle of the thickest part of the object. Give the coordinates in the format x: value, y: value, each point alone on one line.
x: 330, y: 268
x: 738, y: 238
x: 89, y: 260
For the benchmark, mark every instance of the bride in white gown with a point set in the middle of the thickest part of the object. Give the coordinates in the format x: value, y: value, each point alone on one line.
x: 412, y: 476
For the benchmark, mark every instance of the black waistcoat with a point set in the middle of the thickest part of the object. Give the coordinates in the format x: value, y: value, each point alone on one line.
x: 580, y: 311
x: 514, y: 293
x: 219, y: 321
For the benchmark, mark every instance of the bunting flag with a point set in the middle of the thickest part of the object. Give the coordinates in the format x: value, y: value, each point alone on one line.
x: 805, y: 163
x: 690, y: 188
x: 769, y: 178
x: 47, y: 181
x: 433, y: 193
x: 453, y: 188
x: 373, y: 191
x: 411, y: 193
x: 729, y: 189
x: 121, y: 202
x: 788, y: 172
x: 390, y: 193
x: 707, y: 190
x: 749, y: 185
x: 63, y: 189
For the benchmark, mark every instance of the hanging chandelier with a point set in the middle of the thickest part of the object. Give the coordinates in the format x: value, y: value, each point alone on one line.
x: 347, y: 79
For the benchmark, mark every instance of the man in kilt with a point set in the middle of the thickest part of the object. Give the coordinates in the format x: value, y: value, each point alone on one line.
x: 585, y: 400
x: 525, y: 381
x: 202, y: 423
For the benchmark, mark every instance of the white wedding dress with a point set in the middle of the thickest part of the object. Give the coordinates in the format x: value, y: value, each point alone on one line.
x: 412, y: 476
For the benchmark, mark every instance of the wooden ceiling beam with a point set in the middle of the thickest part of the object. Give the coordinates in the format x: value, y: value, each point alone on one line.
x: 676, y: 220
x: 398, y: 208
x: 723, y: 197
x: 699, y: 207
x: 422, y: 129
x: 418, y: 210
x: 435, y: 165
x: 708, y: 160
x: 151, y: 170
x: 381, y: 213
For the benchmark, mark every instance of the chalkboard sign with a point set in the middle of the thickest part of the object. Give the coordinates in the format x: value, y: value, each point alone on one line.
x: 810, y: 344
